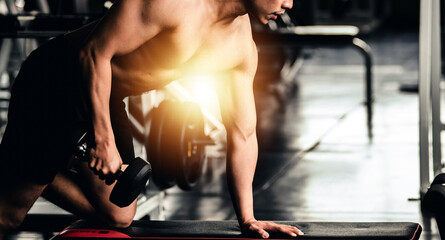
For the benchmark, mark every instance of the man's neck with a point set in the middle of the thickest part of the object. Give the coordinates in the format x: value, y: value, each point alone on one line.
x: 229, y: 10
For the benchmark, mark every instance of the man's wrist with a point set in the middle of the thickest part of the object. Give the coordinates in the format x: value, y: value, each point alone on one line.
x: 245, y: 221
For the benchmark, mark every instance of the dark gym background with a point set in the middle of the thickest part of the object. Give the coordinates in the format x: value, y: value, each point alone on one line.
x: 316, y: 159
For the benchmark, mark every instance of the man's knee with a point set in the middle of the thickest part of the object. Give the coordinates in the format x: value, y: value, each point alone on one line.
x: 9, y: 221
x: 120, y: 218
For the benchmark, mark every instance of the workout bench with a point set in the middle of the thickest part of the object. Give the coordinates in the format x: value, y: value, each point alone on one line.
x: 188, y: 229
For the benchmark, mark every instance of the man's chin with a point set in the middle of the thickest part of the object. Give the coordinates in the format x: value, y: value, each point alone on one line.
x: 259, y: 19
x: 263, y: 21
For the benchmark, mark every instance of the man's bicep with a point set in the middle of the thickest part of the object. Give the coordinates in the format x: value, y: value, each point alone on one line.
x: 236, y: 95
x: 237, y: 104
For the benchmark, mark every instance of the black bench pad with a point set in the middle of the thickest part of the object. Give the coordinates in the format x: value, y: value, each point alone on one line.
x: 230, y: 230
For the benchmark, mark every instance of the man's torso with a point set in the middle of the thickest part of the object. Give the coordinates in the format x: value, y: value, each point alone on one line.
x: 195, y: 46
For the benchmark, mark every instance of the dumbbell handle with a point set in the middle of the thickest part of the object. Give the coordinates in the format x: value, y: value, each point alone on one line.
x: 128, y: 184
x: 81, y: 153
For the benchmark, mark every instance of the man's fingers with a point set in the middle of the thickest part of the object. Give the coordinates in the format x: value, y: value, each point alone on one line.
x: 292, y: 231
x: 261, y: 227
x: 286, y: 229
x: 263, y: 233
x: 101, y: 176
x: 259, y: 230
x: 110, y: 179
x: 298, y: 231
x: 93, y: 160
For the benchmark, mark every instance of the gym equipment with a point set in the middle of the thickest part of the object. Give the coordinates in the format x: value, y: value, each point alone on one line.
x: 163, y: 177
x: 176, y: 144
x: 434, y: 202
x: 439, y: 179
x: 322, y: 36
x: 130, y: 183
x: 190, y: 153
x: 230, y: 230
x: 41, y: 25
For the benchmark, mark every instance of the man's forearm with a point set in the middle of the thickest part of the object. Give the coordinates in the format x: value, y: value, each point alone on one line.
x: 104, y: 156
x: 241, y: 163
x: 97, y: 74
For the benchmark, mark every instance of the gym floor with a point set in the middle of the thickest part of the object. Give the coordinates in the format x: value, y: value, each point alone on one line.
x: 316, y: 162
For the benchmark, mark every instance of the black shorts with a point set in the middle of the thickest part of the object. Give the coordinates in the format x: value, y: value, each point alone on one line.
x: 45, y: 108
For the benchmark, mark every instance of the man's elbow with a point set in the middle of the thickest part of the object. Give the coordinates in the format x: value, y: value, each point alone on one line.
x: 243, y: 136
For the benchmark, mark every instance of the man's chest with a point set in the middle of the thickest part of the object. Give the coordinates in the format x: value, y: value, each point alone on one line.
x: 191, y: 50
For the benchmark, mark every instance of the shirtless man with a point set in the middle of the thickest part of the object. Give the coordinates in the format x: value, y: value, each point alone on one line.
x: 138, y: 46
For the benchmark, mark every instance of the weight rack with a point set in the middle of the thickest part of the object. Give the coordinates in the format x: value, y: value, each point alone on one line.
x: 430, y: 124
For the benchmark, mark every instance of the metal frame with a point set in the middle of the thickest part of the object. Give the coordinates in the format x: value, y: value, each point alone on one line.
x: 324, y: 36
x: 430, y: 124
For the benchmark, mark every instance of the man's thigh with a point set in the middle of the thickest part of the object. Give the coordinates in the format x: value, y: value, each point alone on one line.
x: 17, y: 196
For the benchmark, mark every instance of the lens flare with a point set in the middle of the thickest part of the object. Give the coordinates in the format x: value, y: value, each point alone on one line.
x: 202, y: 88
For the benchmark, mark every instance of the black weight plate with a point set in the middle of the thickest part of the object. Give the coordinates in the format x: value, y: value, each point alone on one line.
x: 439, y: 179
x: 191, y: 156
x: 131, y: 183
x: 162, y: 176
x: 171, y: 137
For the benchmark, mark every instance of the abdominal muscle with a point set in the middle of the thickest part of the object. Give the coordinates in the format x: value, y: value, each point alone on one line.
x: 128, y: 82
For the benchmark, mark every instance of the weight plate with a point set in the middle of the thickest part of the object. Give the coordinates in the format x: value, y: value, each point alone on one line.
x: 171, y: 149
x: 162, y: 175
x: 131, y: 183
x: 191, y: 155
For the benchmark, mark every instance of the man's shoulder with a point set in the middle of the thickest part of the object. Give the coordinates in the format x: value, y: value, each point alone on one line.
x: 242, y: 44
x: 245, y: 33
x: 171, y: 12
x: 169, y: 7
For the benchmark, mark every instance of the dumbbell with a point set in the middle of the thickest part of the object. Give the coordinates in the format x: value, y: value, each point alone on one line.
x: 439, y: 179
x: 129, y: 183
x: 434, y: 201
